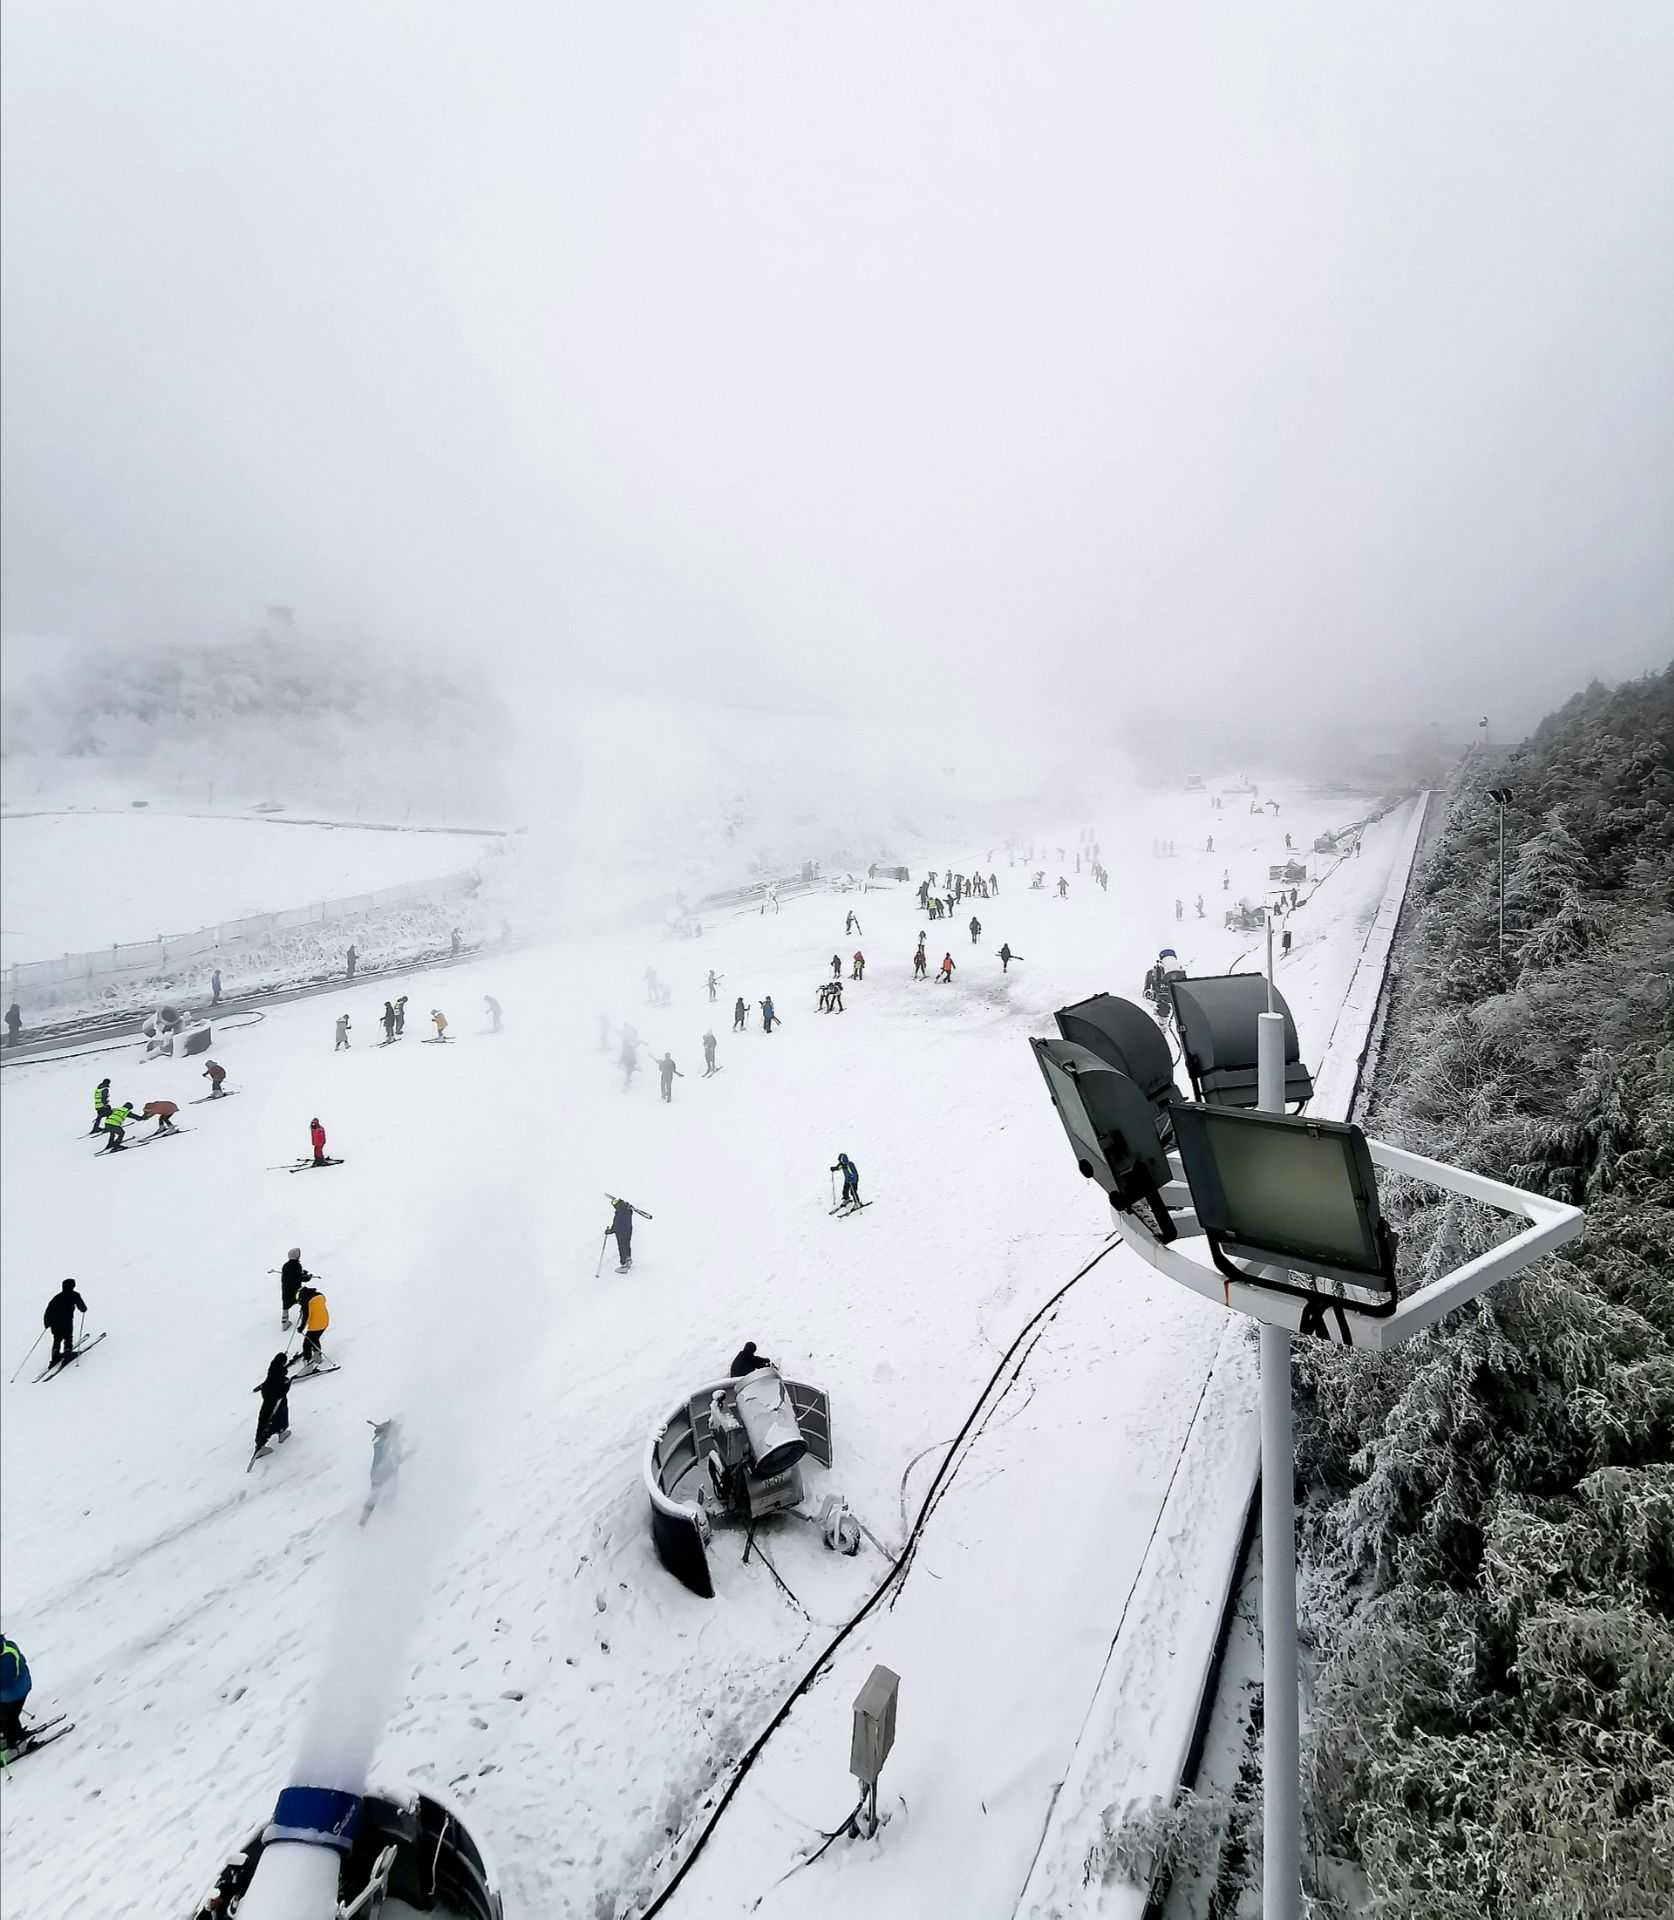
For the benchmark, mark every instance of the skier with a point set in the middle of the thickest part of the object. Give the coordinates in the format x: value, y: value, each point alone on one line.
x: 709, y: 1065
x: 273, y: 1417
x: 747, y: 1360
x: 389, y: 1020
x: 316, y: 1139
x: 628, y: 1059
x: 1287, y: 839
x: 976, y: 929
x: 14, y: 1023
x: 101, y: 1106
x: 739, y: 1014
x: 1209, y: 844
x: 1200, y: 906
x: 60, y: 1321
x: 946, y: 973
x: 215, y: 988
x: 1226, y: 878
x: 163, y: 1112
x: 836, y: 968
x: 668, y: 1073
x: 354, y: 961
x: 1284, y: 942
x: 994, y: 885
x: 918, y: 960
x: 291, y: 1277
x: 859, y: 972
x: 1063, y: 888
x: 768, y: 1016
x: 851, y: 1181
x: 454, y: 939
x: 492, y: 1007
x: 14, y: 1690
x: 441, y: 1021
x: 342, y: 1032
x: 1179, y: 910
x: 116, y: 1118
x: 312, y: 1319
x: 834, y: 997
x: 622, y: 1225
x: 714, y: 982
x: 387, y: 1456
x: 400, y: 1016
x: 214, y: 1074
x: 1007, y: 956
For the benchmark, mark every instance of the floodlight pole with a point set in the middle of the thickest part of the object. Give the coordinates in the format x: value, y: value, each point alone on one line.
x: 1281, y: 1756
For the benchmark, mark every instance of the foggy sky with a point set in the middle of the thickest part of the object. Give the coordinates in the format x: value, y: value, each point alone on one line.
x: 964, y: 357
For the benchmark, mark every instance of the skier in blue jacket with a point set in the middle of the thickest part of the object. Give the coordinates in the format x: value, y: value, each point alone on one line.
x: 851, y: 1180
x: 14, y: 1690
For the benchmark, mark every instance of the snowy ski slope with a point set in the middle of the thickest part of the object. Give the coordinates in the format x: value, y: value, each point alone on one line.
x: 559, y: 1684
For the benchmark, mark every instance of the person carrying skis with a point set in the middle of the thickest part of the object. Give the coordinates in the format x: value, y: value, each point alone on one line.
x: 163, y: 1112
x: 859, y: 972
x: 116, y: 1118
x: 101, y: 1106
x: 976, y: 929
x: 60, y: 1321
x: 709, y: 1065
x: 273, y: 1417
x: 15, y: 1683
x: 768, y: 1016
x: 401, y: 1016
x: 291, y: 1277
x: 312, y: 1319
x: 491, y: 1007
x: 668, y: 1073
x: 342, y: 1033
x: 1007, y: 956
x: 919, y: 960
x: 747, y: 1360
x: 214, y: 1073
x: 387, y: 1456
x: 714, y: 982
x: 316, y: 1139
x: 441, y: 1022
x: 622, y: 1225
x: 389, y: 1020
x: 946, y: 973
x: 851, y: 1180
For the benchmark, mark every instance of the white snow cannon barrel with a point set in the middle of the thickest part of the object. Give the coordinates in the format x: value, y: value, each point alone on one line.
x: 776, y: 1442
x: 326, y: 1853
x: 303, y: 1848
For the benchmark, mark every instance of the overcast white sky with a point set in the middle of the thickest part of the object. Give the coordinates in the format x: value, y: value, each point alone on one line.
x: 978, y: 349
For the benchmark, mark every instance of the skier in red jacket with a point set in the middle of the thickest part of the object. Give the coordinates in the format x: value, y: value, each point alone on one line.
x: 316, y: 1134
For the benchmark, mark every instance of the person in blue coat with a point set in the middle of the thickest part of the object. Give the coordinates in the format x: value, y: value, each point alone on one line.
x: 851, y: 1180
x: 768, y: 1017
x: 14, y: 1690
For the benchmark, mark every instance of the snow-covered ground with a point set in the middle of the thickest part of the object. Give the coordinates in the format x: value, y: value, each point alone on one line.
x: 566, y: 1690
x: 76, y: 881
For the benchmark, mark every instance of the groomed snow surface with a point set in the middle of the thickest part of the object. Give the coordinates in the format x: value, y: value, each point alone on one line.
x: 505, y: 1632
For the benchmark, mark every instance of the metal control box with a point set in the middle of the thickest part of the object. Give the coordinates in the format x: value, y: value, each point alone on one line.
x: 874, y: 1725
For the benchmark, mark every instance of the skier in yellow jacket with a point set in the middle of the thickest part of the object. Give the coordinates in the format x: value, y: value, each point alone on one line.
x: 313, y: 1318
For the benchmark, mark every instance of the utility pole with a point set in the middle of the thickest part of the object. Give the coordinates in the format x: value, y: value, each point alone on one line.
x: 1502, y: 796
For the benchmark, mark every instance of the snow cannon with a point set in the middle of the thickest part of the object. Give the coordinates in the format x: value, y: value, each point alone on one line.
x: 730, y: 1452
x: 330, y: 1855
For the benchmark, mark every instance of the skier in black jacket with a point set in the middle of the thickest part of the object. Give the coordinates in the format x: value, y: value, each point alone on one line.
x: 60, y: 1321
x: 622, y: 1225
x: 291, y: 1276
x: 273, y: 1420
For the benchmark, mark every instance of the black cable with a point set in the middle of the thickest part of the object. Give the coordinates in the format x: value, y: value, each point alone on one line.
x: 753, y: 1752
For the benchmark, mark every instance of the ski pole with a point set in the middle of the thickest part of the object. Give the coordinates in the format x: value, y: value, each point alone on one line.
x: 605, y: 1242
x: 833, y: 1189
x: 25, y: 1360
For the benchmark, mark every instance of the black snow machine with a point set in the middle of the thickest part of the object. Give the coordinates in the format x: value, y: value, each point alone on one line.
x: 731, y: 1454
x: 328, y: 1855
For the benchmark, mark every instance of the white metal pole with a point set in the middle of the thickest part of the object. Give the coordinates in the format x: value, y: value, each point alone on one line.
x: 1281, y: 1892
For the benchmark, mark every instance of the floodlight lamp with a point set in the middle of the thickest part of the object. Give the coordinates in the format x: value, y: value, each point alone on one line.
x: 1111, y: 1128
x: 1501, y: 794
x: 1281, y: 1191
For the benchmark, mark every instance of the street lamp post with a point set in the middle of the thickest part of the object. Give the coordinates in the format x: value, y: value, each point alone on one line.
x: 1502, y: 796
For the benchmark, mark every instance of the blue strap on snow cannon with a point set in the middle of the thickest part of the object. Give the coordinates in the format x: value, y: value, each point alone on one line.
x: 319, y: 1816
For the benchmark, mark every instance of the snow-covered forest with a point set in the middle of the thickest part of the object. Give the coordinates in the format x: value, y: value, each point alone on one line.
x: 1488, y: 1512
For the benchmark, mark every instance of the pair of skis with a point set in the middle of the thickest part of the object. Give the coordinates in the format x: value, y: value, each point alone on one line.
x: 204, y: 1098
x: 146, y: 1140
x: 54, y: 1368
x: 851, y: 1206
x: 41, y: 1734
x: 306, y: 1166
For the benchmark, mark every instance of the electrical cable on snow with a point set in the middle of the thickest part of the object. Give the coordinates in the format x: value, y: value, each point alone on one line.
x: 897, y: 1571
